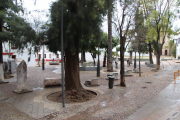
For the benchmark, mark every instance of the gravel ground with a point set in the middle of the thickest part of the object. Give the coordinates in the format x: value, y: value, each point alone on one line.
x: 116, y: 103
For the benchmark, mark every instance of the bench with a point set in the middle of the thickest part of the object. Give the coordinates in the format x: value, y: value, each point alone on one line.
x: 52, y: 82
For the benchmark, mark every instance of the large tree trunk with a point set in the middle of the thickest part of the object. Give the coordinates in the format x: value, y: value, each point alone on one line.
x: 72, y: 78
x: 84, y: 56
x: 158, y: 60
x: 104, y: 62
x: 122, y: 42
x: 131, y: 57
x: 150, y: 54
x: 109, y: 58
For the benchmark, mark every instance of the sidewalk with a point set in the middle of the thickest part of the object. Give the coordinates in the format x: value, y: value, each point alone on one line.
x: 164, y: 106
x: 117, y: 103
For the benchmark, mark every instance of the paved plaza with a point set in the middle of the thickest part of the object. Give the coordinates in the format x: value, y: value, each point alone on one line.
x: 150, y: 97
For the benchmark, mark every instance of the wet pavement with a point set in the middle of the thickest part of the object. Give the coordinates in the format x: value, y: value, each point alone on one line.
x: 139, y: 100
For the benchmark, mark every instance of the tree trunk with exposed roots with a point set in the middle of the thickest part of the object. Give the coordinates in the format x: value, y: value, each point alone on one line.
x: 72, y: 78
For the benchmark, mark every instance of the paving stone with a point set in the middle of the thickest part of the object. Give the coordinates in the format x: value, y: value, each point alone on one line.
x: 120, y: 102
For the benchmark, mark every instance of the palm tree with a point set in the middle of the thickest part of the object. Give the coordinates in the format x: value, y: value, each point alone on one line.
x: 109, y: 56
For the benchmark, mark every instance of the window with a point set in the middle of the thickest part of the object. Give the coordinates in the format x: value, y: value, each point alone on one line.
x: 57, y: 55
x: 13, y: 46
x: 13, y: 56
x: 49, y: 55
x: 44, y: 55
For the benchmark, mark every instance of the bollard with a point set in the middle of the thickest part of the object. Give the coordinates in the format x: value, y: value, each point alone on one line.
x: 111, y: 82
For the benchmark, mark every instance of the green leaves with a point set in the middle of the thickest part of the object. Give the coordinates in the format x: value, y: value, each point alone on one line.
x: 14, y: 27
x: 82, y: 22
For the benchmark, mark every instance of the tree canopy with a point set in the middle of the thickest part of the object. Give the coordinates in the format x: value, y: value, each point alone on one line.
x: 13, y: 26
x: 82, y: 23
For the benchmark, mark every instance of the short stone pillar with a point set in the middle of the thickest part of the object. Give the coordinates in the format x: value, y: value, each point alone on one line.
x: 22, y: 78
x: 1, y: 73
x: 94, y: 81
x: 13, y: 66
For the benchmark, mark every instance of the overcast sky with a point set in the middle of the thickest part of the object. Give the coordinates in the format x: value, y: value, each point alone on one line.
x: 45, y: 5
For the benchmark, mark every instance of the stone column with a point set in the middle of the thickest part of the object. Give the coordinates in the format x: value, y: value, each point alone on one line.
x: 1, y: 73
x: 22, y: 78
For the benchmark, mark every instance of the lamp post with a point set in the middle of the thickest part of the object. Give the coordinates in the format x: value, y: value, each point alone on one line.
x: 43, y: 59
x: 135, y: 61
x: 62, y: 60
x: 135, y: 54
x: 98, y: 64
x: 82, y: 58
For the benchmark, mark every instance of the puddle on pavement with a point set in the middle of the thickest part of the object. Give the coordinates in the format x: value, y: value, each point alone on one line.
x: 38, y: 88
x: 144, y: 87
x: 156, y: 75
x: 148, y: 82
x: 103, y: 104
x: 126, y: 94
x: 58, y: 70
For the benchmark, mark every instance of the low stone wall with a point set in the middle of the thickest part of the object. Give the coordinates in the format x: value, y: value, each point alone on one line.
x: 89, y: 68
x: 53, y: 63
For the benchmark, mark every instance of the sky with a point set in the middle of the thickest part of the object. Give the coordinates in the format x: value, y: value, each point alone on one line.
x: 40, y: 4
x: 45, y: 6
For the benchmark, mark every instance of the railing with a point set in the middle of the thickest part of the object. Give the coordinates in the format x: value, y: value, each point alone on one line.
x: 176, y: 76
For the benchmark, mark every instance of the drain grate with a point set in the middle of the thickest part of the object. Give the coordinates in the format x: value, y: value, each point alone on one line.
x: 156, y: 75
x: 144, y: 87
x: 148, y: 82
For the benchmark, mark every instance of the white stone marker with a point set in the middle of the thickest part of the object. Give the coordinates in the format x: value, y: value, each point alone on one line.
x: 22, y: 78
x: 1, y: 73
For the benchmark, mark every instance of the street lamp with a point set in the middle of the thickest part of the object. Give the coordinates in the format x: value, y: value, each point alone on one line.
x: 62, y: 60
x: 135, y: 54
x: 135, y: 61
x: 43, y: 59
x: 98, y: 64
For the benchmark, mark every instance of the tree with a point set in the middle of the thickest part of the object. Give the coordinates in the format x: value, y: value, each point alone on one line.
x: 13, y: 26
x: 37, y: 23
x: 81, y: 20
x: 159, y: 25
x: 104, y: 44
x: 147, y: 7
x: 109, y: 56
x: 140, y: 30
x: 127, y: 8
x: 173, y: 50
x: 171, y: 43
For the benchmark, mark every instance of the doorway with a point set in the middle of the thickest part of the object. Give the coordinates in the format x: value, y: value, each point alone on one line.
x: 165, y: 52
